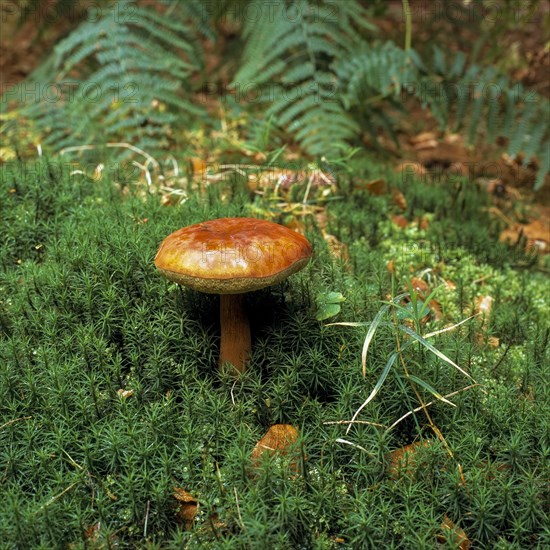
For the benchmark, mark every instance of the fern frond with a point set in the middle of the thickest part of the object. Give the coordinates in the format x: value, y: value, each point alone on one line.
x: 472, y: 98
x: 297, y: 43
x: 130, y: 74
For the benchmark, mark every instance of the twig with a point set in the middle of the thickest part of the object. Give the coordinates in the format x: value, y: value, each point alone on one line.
x: 111, y: 145
x: 239, y: 166
x: 56, y: 497
x: 308, y: 188
x: 14, y: 421
x: 73, y: 462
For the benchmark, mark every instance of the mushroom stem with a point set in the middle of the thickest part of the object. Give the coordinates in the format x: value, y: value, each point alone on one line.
x: 236, y: 342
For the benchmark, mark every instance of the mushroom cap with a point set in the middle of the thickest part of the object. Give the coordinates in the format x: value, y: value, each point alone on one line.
x: 232, y: 255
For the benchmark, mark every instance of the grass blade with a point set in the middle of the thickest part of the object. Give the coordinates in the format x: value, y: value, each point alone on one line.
x: 434, y: 350
x: 372, y: 329
x: 430, y: 388
x: 446, y: 329
x: 376, y: 388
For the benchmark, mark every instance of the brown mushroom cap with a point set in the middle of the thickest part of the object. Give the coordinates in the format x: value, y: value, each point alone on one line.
x: 232, y: 255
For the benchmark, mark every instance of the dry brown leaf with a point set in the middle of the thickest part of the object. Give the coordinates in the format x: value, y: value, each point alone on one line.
x: 400, y: 220
x: 428, y: 144
x: 493, y: 341
x: 337, y: 249
x: 403, y: 460
x: 95, y: 538
x: 198, y: 166
x: 450, y: 285
x: 452, y: 138
x: 423, y: 222
x: 169, y: 199
x: 450, y: 531
x: 484, y: 305
x: 93, y: 531
x: 283, y: 179
x: 277, y: 441
x: 321, y: 218
x: 435, y: 309
x: 399, y: 199
x: 259, y: 156
x: 535, y: 233
x: 187, y: 507
x: 124, y: 394
x: 410, y: 168
x: 423, y: 136
x: 483, y: 340
x: 295, y: 224
x: 375, y: 187
x: 274, y: 179
x: 419, y: 285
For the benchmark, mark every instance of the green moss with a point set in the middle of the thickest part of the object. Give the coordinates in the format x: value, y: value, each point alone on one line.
x: 83, y: 314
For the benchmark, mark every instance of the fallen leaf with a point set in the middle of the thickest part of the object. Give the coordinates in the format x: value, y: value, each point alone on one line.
x: 187, y: 507
x: 419, y: 285
x: 410, y: 168
x: 6, y: 153
x: 170, y: 199
x: 400, y: 220
x: 93, y: 531
x: 281, y: 180
x: 484, y: 305
x: 493, y: 341
x: 321, y: 218
x: 454, y: 534
x: 259, y: 156
x: 95, y: 538
x: 295, y: 224
x: 423, y: 222
x: 435, y: 309
x: 375, y: 187
x: 337, y: 249
x: 198, y: 166
x: 278, y: 440
x: 423, y: 136
x: 399, y: 199
x: 124, y: 394
x: 428, y: 144
x: 403, y: 460
x: 450, y: 285
x: 536, y: 235
x: 452, y: 138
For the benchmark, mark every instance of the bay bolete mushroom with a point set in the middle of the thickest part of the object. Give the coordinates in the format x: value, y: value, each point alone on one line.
x: 229, y: 257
